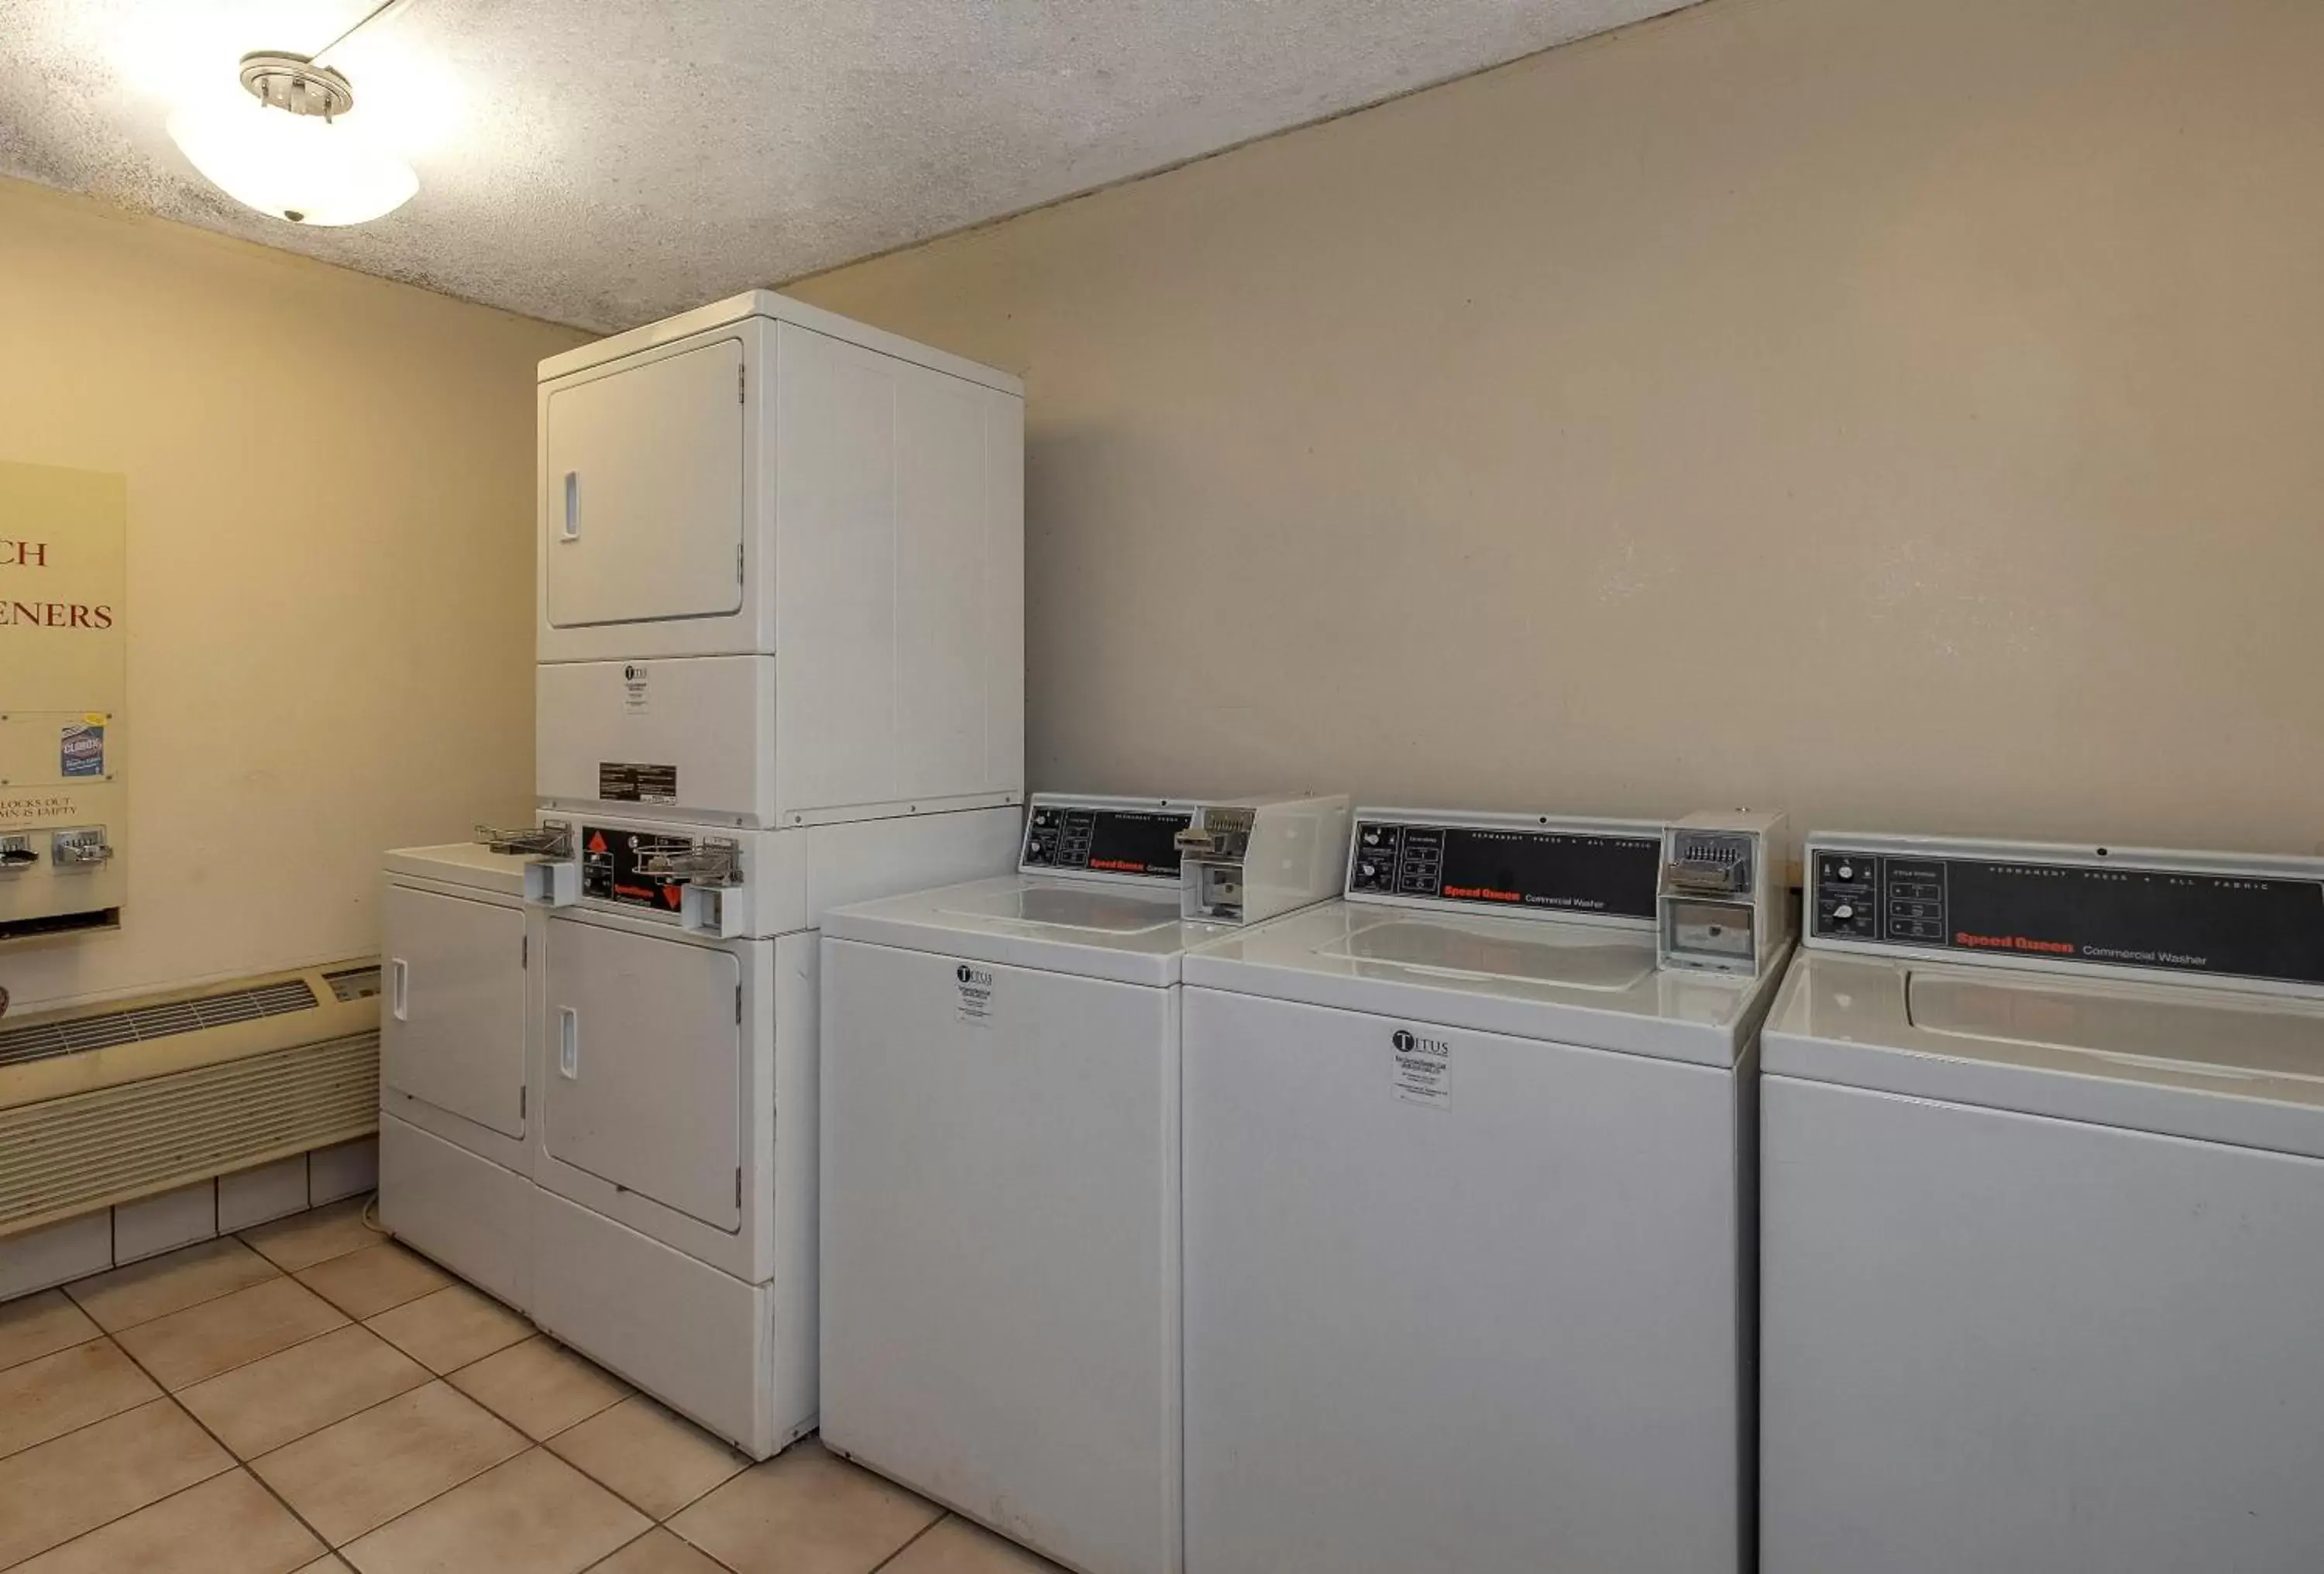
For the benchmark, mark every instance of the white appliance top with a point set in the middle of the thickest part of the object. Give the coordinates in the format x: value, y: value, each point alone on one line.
x: 2173, y: 993
x: 460, y: 863
x: 1562, y: 980
x: 766, y: 303
x: 1059, y: 923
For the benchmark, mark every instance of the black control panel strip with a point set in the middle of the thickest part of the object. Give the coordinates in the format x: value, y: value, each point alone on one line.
x: 1545, y: 869
x: 2193, y: 921
x: 1084, y: 838
x: 610, y: 872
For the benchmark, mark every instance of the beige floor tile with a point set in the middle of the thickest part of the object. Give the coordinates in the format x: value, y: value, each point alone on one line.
x: 358, y: 1474
x: 283, y: 1396
x: 86, y: 1479
x: 372, y: 1280
x: 59, y: 1394
x: 327, y: 1564
x: 658, y: 1552
x: 172, y: 1282
x: 318, y: 1235
x: 40, y: 1325
x: 957, y: 1546
x: 656, y: 1460
x: 216, y: 1335
x: 447, y: 1329
x: 805, y: 1513
x: 229, y: 1524
x: 535, y: 1514
x: 539, y: 1386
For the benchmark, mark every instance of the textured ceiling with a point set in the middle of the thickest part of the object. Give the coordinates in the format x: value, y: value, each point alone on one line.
x: 603, y: 162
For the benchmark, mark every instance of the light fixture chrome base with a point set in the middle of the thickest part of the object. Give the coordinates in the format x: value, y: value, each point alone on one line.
x: 293, y: 82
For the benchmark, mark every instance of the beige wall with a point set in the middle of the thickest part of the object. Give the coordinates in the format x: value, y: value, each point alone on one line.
x: 330, y: 571
x: 1907, y: 414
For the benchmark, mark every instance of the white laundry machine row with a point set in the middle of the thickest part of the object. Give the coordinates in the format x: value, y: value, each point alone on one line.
x: 2043, y: 1213
x: 663, y: 1214
x: 1000, y: 1151
x: 1468, y: 1204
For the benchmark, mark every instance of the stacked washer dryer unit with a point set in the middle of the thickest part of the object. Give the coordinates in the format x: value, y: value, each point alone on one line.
x: 1001, y: 1163
x: 1467, y: 1232
x: 781, y: 666
x: 2042, y: 1184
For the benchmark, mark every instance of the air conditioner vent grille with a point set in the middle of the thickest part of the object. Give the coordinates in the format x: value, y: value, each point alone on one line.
x: 73, y: 1154
x: 140, y: 1024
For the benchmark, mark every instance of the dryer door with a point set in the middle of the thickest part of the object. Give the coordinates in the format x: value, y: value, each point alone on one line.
x: 645, y: 1068
x: 453, y: 1033
x: 641, y: 500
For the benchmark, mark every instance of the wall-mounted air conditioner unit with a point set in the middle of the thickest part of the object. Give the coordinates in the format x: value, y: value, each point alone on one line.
x: 103, y: 1105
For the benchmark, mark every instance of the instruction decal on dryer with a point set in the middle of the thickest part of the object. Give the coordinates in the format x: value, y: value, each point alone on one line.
x: 1421, y: 1069
x: 622, y: 783
x: 974, y: 984
x: 635, y: 697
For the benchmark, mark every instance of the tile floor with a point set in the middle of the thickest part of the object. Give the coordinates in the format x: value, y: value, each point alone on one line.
x: 309, y: 1396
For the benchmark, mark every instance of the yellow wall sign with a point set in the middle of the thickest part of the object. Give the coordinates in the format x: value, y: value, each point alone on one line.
x: 63, y: 671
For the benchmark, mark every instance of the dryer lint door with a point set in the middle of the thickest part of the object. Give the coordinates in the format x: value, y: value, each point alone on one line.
x: 645, y: 1066
x: 454, y: 1031
x: 642, y: 494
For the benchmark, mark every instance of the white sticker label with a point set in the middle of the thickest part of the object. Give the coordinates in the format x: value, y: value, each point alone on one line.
x: 974, y: 985
x: 634, y: 695
x: 1422, y: 1069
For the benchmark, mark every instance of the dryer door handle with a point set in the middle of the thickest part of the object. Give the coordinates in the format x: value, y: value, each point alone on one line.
x: 399, y: 988
x: 568, y: 1042
x: 572, y: 530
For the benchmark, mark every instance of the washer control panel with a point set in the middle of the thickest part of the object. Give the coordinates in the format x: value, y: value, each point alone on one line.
x: 2178, y: 913
x: 1140, y: 840
x: 1862, y: 895
x: 1523, y: 862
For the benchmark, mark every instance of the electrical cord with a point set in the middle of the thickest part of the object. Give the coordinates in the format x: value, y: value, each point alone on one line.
x: 374, y: 14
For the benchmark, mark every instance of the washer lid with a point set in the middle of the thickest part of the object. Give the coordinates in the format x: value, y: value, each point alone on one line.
x: 1578, y: 983
x: 460, y: 863
x: 2214, y: 1064
x: 1093, y: 931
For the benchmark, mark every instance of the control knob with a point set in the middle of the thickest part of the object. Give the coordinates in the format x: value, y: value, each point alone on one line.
x: 1843, y: 913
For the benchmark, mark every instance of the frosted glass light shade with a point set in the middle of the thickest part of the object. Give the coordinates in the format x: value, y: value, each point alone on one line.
x: 297, y: 167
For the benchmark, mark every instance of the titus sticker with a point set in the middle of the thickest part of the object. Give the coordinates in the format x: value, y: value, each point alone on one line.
x: 81, y: 751
x: 1420, y: 1069
x: 974, y: 984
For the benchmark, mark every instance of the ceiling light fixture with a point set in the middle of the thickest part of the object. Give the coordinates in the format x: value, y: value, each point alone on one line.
x: 285, y: 151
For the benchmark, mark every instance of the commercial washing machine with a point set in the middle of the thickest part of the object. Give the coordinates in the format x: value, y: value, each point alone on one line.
x: 2042, y: 1191
x: 1001, y: 1163
x: 1467, y: 1228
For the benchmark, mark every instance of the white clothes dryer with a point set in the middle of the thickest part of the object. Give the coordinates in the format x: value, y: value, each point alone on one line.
x: 458, y: 1078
